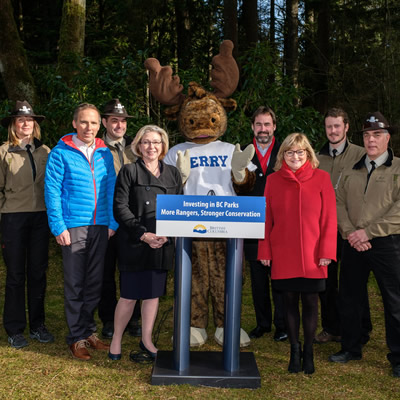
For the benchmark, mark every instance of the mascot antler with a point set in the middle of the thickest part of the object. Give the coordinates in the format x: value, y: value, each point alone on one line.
x: 167, y: 88
x: 225, y: 72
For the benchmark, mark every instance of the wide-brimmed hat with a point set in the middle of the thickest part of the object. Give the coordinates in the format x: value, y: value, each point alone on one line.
x: 114, y: 107
x: 374, y: 121
x: 22, y: 109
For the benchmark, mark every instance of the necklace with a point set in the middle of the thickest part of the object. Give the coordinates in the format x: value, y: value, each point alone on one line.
x: 154, y: 171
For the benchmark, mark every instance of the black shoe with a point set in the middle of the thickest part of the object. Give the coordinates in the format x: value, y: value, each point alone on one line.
x: 134, y: 328
x: 396, y: 370
x: 17, y: 341
x: 295, y: 358
x: 108, y: 330
x: 308, y: 360
x: 344, y: 357
x: 114, y: 357
x: 42, y: 334
x: 280, y: 336
x: 258, y: 331
x: 143, y: 347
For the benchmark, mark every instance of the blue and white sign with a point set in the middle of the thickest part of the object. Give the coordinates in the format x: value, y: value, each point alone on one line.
x: 210, y: 216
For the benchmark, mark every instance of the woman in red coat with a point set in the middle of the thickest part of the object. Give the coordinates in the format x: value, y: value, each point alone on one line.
x: 300, y: 239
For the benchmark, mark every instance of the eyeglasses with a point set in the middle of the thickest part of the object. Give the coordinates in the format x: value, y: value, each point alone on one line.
x: 291, y: 153
x: 148, y: 142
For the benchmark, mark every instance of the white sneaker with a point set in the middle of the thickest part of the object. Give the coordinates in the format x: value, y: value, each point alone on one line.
x: 244, y: 337
x: 198, y: 336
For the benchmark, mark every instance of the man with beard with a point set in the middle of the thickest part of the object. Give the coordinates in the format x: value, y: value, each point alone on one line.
x: 114, y: 119
x: 336, y: 155
x: 266, y: 148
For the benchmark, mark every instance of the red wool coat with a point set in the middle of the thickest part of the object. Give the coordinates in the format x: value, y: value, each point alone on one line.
x: 301, y: 225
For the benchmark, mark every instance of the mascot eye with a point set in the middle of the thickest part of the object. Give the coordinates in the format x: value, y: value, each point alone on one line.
x: 213, y: 120
x: 191, y: 121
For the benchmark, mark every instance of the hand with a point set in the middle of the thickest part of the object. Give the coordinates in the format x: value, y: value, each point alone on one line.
x: 64, y: 239
x: 111, y: 233
x: 363, y: 246
x: 154, y: 241
x: 357, y: 237
x: 183, y: 165
x: 266, y: 263
x: 240, y: 160
x: 324, y: 261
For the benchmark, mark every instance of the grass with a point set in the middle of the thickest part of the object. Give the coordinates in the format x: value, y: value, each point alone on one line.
x: 47, y: 371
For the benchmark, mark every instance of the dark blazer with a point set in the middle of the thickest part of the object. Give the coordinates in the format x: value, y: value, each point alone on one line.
x: 251, y: 245
x: 135, y: 195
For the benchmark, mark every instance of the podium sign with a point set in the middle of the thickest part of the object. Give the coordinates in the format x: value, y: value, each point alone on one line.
x: 210, y: 216
x: 188, y: 217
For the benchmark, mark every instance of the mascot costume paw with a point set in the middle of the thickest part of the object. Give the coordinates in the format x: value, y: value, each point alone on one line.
x: 208, y: 167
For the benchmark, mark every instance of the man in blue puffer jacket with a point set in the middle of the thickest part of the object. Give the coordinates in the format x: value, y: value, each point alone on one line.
x: 79, y: 190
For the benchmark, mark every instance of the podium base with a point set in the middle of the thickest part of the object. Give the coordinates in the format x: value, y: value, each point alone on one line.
x: 206, y: 368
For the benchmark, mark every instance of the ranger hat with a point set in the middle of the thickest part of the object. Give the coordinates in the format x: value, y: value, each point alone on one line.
x: 374, y: 121
x: 21, y: 109
x: 115, y: 108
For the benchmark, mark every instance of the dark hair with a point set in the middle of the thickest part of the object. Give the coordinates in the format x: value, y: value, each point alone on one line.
x: 336, y: 112
x: 264, y: 110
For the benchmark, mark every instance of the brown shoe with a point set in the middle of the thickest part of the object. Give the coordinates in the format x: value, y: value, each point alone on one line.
x: 96, y: 343
x: 325, y: 337
x: 79, y: 350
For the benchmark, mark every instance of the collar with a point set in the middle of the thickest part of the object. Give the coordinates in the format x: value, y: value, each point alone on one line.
x: 378, y: 162
x: 326, y: 148
x: 387, y: 163
x: 339, y: 149
x: 262, y: 150
x: 113, y: 143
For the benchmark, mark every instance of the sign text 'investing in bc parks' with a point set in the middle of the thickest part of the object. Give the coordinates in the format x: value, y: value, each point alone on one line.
x: 210, y: 216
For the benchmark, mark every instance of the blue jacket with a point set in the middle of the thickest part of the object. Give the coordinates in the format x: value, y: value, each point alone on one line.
x: 78, y: 193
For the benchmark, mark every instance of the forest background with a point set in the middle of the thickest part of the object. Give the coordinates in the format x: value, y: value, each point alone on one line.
x: 299, y: 57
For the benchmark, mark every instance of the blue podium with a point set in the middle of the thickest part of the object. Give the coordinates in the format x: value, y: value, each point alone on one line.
x: 229, y: 368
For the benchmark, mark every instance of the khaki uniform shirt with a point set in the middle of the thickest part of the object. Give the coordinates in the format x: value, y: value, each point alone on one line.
x: 335, y: 166
x: 18, y: 191
x: 129, y: 157
x: 374, y: 208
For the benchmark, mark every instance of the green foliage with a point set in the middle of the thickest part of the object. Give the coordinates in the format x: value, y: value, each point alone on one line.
x: 97, y: 82
x: 259, y: 89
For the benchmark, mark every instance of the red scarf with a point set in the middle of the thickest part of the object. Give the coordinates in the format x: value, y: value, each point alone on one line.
x: 264, y: 159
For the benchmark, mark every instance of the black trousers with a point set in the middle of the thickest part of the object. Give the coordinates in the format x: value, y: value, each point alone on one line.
x: 25, y: 244
x: 330, y: 318
x: 260, y: 287
x: 83, y: 277
x: 108, y: 299
x: 383, y: 259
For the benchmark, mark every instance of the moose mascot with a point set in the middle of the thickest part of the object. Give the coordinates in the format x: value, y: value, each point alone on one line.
x: 208, y: 167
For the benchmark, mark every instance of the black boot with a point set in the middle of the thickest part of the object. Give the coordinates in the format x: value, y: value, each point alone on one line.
x: 308, y: 359
x: 295, y: 358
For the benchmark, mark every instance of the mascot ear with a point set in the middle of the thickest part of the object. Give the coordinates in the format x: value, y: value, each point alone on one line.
x: 228, y: 104
x: 172, y: 112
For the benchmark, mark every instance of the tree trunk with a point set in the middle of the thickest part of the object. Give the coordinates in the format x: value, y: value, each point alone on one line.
x: 14, y: 67
x: 291, y: 57
x: 250, y: 21
x: 231, y: 24
x: 72, y: 38
x: 272, y: 39
x: 321, y: 101
x: 183, y: 33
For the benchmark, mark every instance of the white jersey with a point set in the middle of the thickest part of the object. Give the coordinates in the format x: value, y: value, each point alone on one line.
x: 210, y: 167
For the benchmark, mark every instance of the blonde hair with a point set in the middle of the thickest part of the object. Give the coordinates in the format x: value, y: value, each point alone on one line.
x: 300, y: 140
x: 146, y: 129
x: 12, y: 134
